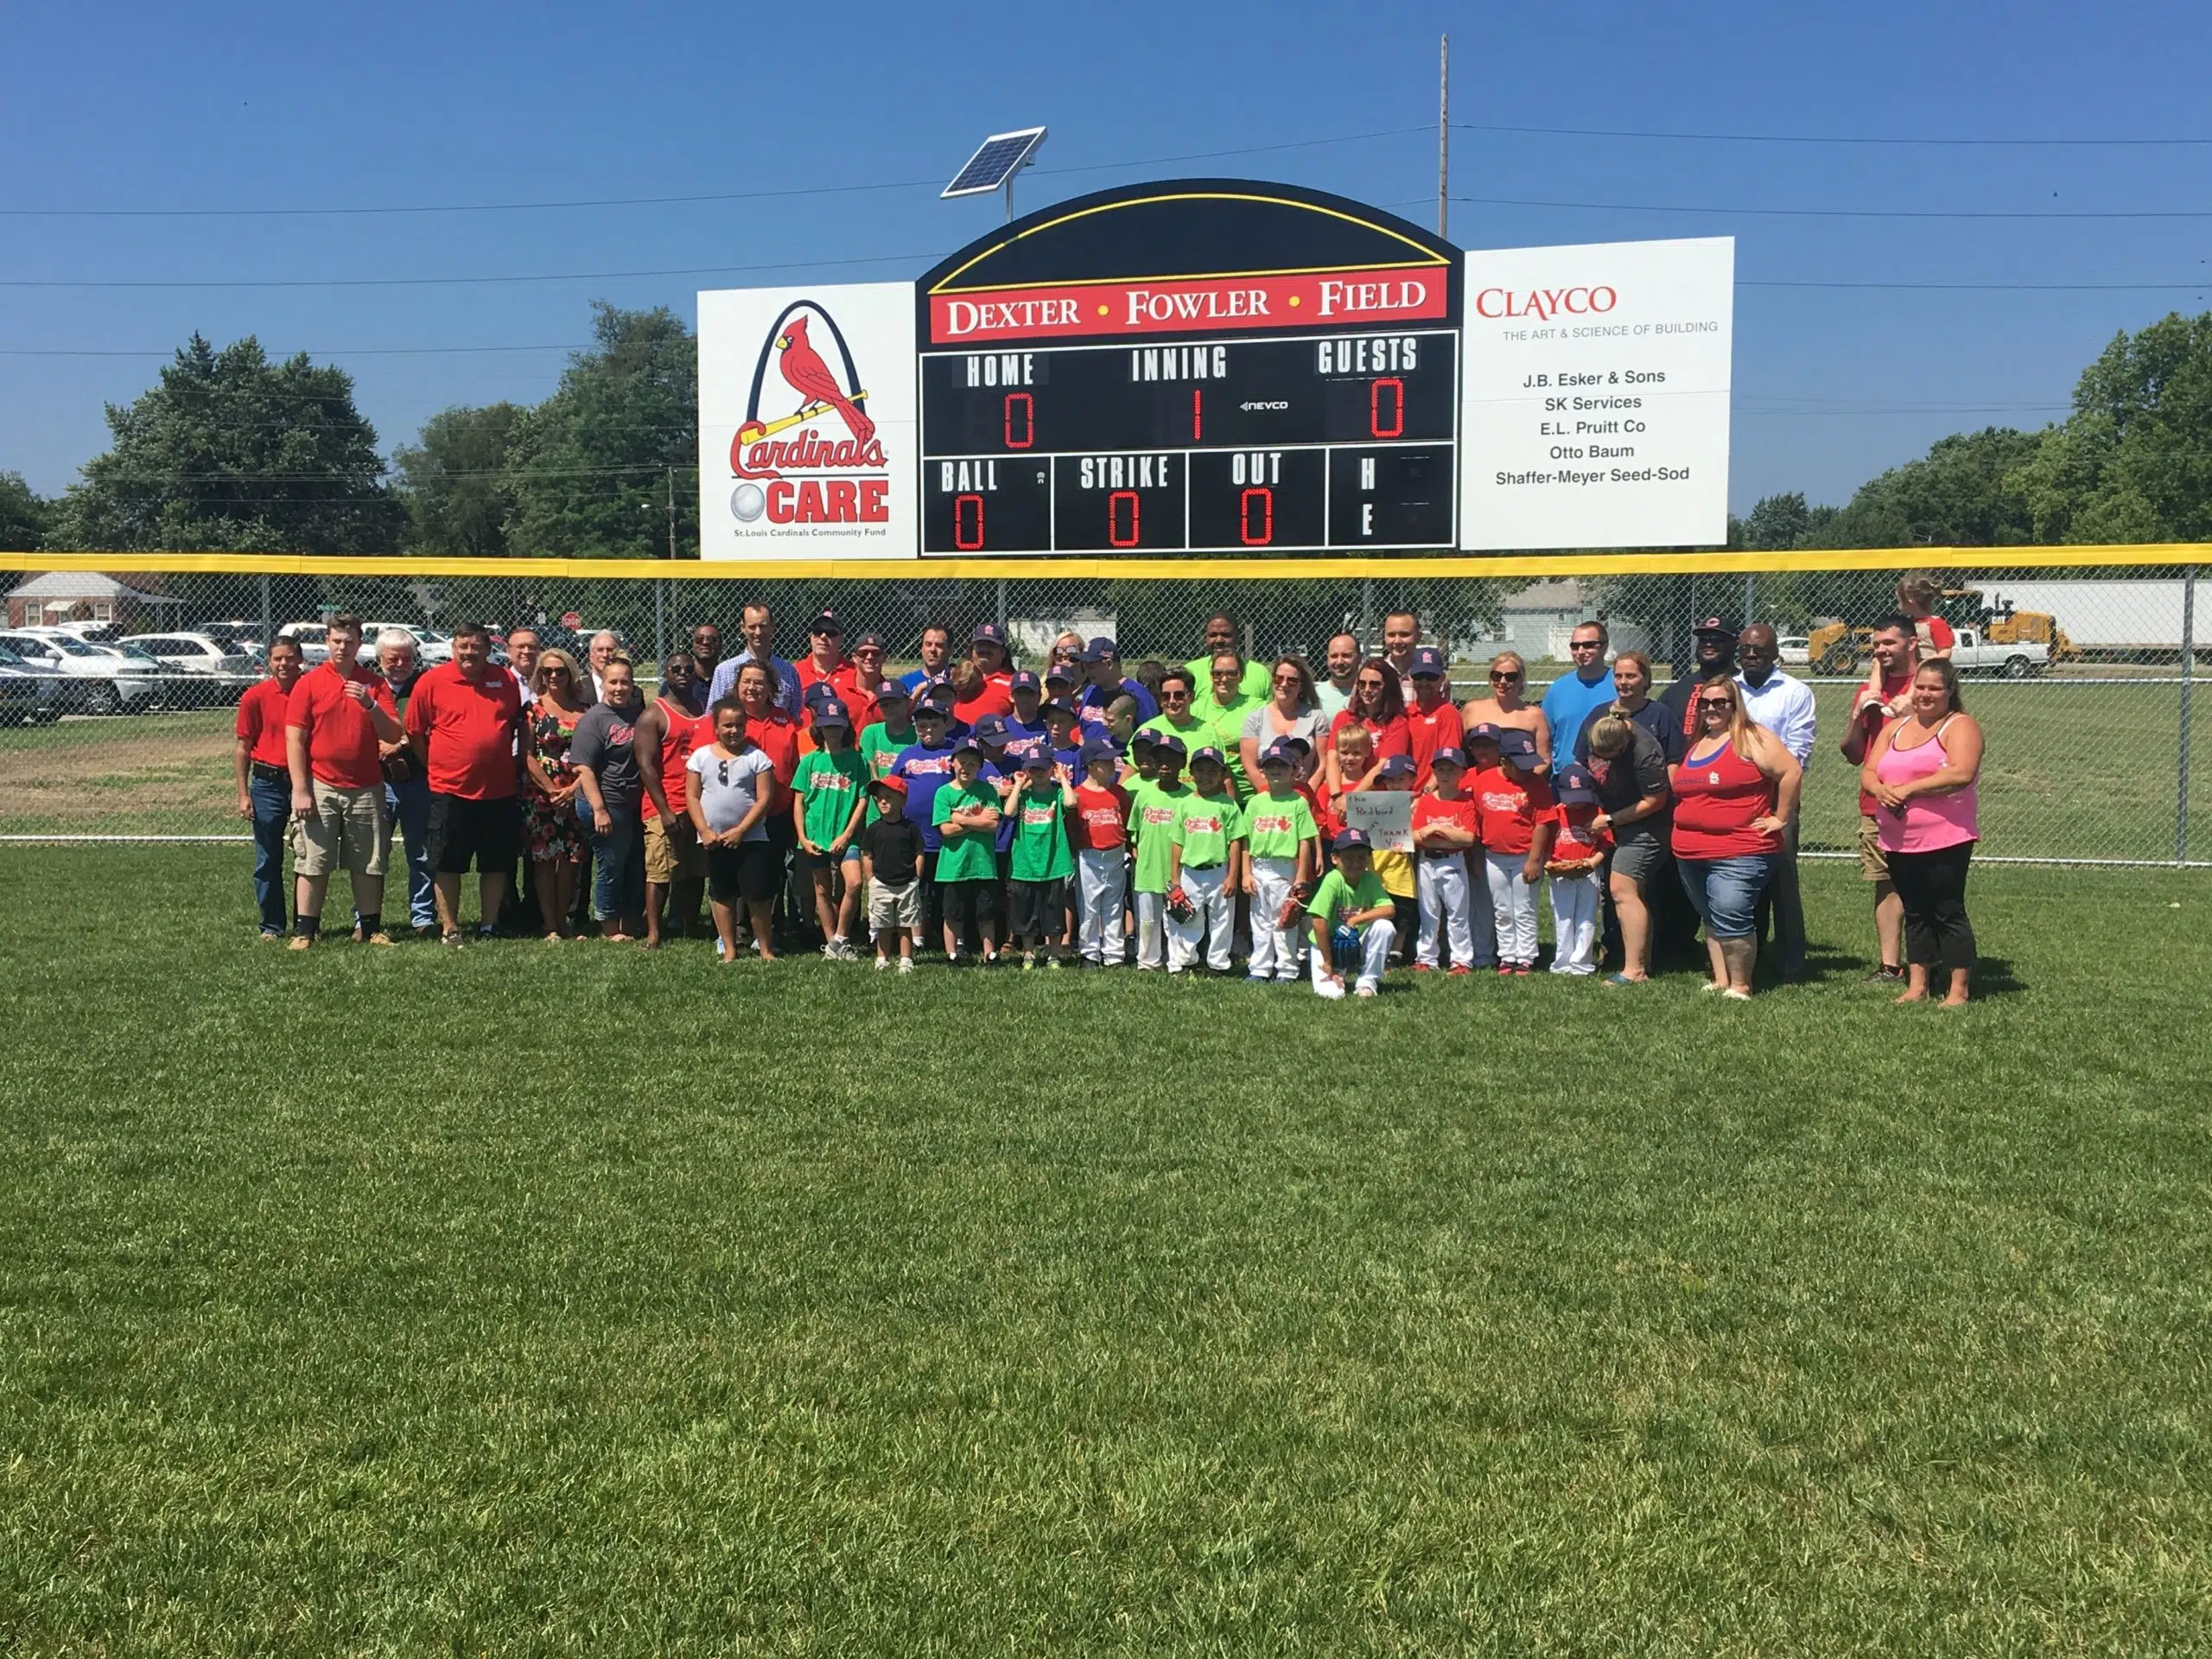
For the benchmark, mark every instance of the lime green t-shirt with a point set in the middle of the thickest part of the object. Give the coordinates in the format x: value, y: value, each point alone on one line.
x: 971, y: 856
x: 1153, y: 809
x: 1204, y: 826
x: 1337, y: 897
x: 1276, y: 826
x: 879, y: 746
x: 1225, y: 731
x: 1258, y: 676
x: 829, y: 782
x: 1195, y: 732
x: 1040, y: 837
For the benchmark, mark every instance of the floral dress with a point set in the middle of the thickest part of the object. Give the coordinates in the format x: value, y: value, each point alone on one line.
x: 553, y: 831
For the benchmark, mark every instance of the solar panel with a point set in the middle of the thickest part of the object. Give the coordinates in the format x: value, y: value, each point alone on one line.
x: 1003, y: 156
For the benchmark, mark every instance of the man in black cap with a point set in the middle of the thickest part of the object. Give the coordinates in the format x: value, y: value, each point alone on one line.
x: 1715, y: 657
x: 1102, y: 661
x: 825, y: 658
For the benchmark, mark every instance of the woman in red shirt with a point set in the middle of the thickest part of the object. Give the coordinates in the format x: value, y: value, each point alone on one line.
x: 1735, y: 788
x: 1378, y: 706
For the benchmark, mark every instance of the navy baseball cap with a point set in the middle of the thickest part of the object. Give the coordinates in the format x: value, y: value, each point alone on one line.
x: 1292, y: 741
x: 934, y: 700
x: 1099, y: 748
x: 1057, y: 671
x: 831, y: 712
x: 1209, y: 752
x: 1040, y: 756
x: 1279, y: 754
x: 1399, y: 766
x: 1142, y: 739
x: 968, y: 745
x: 991, y: 728
x: 820, y: 691
x: 1575, y: 784
x: 1024, y: 681
x: 988, y: 631
x: 1427, y: 662
x: 1102, y: 650
x: 1448, y: 756
x: 1352, y: 841
x: 1168, y: 743
x: 1059, y: 706
x: 893, y: 691
x: 826, y: 622
x: 1483, y: 732
x: 869, y: 639
x: 1518, y: 746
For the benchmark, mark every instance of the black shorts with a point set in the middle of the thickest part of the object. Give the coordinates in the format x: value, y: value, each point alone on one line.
x: 751, y: 872
x: 1037, y: 908
x: 809, y: 863
x: 488, y: 834
x: 970, y: 907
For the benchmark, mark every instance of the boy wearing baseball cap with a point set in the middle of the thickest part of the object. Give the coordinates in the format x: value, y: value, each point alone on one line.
x: 1512, y: 813
x: 1351, y: 913
x: 1432, y: 720
x: 827, y: 800
x: 1575, y: 863
x: 924, y: 766
x: 1153, y: 809
x: 1039, y: 863
x: 891, y: 864
x: 1279, y: 865
x: 966, y: 817
x: 1098, y: 826
x: 1204, y: 861
x: 1445, y: 829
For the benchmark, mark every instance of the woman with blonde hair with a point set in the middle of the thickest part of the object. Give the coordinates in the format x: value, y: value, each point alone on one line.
x: 1923, y: 774
x: 1735, y: 788
x: 560, y: 692
x: 1507, y: 706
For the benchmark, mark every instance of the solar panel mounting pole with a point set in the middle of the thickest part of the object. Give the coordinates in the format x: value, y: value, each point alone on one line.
x: 1443, y: 132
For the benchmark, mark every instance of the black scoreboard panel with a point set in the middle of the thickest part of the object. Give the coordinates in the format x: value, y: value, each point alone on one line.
x: 1312, y: 442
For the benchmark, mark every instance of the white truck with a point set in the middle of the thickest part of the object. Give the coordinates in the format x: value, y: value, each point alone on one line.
x: 1971, y: 655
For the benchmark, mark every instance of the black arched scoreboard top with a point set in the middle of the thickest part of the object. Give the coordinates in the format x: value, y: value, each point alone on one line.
x: 1211, y: 365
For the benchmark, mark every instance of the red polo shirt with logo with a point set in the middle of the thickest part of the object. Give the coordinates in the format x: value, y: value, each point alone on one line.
x: 261, y: 723
x: 341, y: 737
x: 466, y: 728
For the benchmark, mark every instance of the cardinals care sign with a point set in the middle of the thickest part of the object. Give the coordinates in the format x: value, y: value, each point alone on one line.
x: 806, y: 422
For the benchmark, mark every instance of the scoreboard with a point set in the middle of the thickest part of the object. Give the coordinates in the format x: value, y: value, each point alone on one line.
x: 1225, y: 368
x: 1216, y: 444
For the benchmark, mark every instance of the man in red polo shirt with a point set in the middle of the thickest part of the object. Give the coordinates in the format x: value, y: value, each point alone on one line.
x: 461, y: 723
x: 1432, y: 720
x: 265, y: 779
x: 333, y: 719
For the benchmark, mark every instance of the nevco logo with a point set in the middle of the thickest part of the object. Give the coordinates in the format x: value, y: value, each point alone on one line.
x: 1542, y: 304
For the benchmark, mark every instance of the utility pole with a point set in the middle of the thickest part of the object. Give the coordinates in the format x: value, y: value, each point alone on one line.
x: 1443, y: 134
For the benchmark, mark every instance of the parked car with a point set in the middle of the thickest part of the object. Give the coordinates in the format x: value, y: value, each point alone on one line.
x: 97, y: 680
x: 1971, y: 653
x: 1796, y: 651
x: 29, y: 694
x: 202, y: 673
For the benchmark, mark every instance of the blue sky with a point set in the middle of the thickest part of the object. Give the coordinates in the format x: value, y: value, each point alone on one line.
x: 135, y: 106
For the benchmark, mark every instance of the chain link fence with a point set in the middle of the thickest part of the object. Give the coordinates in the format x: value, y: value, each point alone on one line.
x: 117, y: 688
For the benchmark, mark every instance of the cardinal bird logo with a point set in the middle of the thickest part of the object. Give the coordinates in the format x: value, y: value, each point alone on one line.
x: 808, y: 376
x: 759, y: 452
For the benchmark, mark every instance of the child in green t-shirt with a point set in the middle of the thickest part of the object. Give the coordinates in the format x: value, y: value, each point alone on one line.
x: 1039, y: 863
x: 1279, y: 863
x: 1153, y: 805
x: 829, y: 796
x: 1351, y: 914
x: 882, y: 743
x: 966, y: 817
x: 1205, y: 868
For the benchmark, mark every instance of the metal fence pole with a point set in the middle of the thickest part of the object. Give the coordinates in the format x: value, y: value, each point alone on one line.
x: 1001, y: 602
x: 2187, y: 672
x: 268, y: 616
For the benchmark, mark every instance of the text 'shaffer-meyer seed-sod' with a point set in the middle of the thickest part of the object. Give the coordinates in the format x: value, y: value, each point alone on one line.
x: 1596, y: 396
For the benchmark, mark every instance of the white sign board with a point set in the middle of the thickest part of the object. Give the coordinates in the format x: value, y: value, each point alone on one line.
x: 806, y: 422
x: 1387, y: 815
x: 1594, y: 398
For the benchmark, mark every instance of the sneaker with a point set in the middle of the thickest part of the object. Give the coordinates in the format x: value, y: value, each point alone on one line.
x: 302, y: 941
x: 1459, y: 970
x: 271, y: 935
x: 1424, y: 967
x: 1259, y: 979
x: 906, y: 964
x: 883, y: 964
x: 1505, y: 970
x: 1330, y: 991
x: 1028, y: 960
x: 484, y: 935
x: 1886, y: 975
x: 1520, y: 970
x: 1365, y: 988
x: 1054, y: 964
x: 453, y: 941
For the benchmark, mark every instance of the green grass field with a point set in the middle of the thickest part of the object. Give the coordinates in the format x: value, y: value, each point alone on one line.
x: 567, y: 1299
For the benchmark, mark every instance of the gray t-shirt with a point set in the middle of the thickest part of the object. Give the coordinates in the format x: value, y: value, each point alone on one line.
x: 603, y: 741
x: 727, y: 790
x: 1637, y: 771
x: 1259, y: 727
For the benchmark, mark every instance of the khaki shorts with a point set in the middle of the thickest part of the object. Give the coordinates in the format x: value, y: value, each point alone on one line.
x: 890, y: 906
x: 1873, y: 862
x: 348, y: 832
x: 671, y: 859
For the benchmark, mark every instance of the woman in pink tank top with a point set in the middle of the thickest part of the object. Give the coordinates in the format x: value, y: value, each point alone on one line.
x: 1920, y: 772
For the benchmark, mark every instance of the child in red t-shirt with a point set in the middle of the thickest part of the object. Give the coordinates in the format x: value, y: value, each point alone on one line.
x: 1578, y: 856
x: 1098, y: 828
x: 1446, y: 828
x: 1512, y: 809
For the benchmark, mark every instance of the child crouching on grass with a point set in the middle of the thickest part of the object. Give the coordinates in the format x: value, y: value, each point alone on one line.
x: 1350, y: 917
x: 1577, y: 857
x: 1040, y: 862
x: 891, y: 864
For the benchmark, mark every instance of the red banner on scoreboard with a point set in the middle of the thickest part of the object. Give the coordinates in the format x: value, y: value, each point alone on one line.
x: 1215, y: 304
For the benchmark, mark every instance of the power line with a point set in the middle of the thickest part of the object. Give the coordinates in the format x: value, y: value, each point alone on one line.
x: 1817, y: 138
x: 439, y: 282
x: 1835, y: 213
x: 657, y: 202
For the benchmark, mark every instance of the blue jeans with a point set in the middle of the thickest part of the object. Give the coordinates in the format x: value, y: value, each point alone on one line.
x: 409, y: 807
x: 272, y: 816
x: 1726, y: 892
x: 617, y: 861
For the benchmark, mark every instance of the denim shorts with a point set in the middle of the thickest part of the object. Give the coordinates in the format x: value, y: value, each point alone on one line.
x: 1726, y: 892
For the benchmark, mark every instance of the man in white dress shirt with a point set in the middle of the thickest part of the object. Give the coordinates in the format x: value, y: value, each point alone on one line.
x: 1784, y: 707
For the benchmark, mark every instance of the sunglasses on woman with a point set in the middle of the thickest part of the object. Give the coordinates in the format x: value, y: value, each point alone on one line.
x: 1716, y: 703
x: 1504, y: 679
x: 1370, y: 685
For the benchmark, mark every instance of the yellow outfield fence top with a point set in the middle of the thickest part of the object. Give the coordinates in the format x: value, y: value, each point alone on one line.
x: 1530, y: 566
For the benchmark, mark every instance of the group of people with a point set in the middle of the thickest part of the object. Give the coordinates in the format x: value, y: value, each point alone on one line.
x: 1178, y: 815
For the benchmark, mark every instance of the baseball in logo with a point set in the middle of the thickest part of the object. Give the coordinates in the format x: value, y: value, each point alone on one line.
x: 807, y: 452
